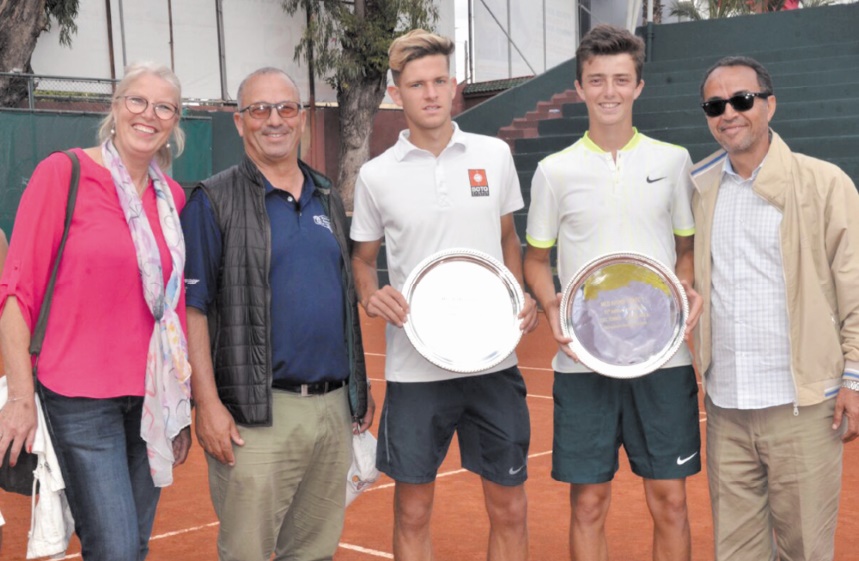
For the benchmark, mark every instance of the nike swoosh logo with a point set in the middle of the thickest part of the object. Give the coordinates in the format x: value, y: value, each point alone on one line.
x: 515, y: 471
x: 655, y: 180
x: 681, y: 461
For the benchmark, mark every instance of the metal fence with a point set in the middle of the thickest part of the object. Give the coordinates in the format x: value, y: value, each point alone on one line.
x: 87, y: 94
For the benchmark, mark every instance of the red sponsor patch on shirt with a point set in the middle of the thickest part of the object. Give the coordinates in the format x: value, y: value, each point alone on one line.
x: 479, y: 182
x: 477, y: 177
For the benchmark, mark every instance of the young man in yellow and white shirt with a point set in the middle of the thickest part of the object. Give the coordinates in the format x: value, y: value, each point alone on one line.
x: 616, y: 190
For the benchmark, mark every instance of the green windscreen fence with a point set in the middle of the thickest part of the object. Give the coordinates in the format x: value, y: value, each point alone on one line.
x: 26, y: 138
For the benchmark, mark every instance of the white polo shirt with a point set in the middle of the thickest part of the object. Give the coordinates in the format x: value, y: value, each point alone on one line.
x: 422, y: 204
x: 593, y: 205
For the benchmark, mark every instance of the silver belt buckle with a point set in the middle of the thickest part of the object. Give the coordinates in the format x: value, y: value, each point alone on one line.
x: 304, y: 392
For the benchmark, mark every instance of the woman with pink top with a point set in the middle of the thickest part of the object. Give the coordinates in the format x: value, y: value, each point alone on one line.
x: 113, y: 373
x: 4, y: 247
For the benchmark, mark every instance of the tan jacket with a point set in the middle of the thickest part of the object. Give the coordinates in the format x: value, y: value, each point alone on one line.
x: 820, y: 253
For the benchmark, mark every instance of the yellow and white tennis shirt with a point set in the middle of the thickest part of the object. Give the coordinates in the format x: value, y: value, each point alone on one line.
x: 591, y: 205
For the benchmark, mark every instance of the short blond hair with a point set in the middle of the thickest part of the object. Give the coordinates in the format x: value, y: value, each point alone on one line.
x: 416, y: 44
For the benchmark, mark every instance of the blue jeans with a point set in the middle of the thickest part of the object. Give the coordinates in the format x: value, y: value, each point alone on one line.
x: 106, y: 470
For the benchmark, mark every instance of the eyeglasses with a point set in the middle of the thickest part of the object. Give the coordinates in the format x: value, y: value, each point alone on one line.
x: 285, y: 109
x: 740, y: 102
x: 137, y: 105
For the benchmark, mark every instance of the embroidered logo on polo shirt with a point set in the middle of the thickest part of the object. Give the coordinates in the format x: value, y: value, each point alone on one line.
x: 479, y: 182
x: 323, y: 221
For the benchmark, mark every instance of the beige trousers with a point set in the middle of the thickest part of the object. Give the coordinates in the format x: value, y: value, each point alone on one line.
x: 775, y: 481
x: 287, y: 491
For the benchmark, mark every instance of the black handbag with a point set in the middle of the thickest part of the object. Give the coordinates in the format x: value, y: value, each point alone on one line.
x: 19, y: 479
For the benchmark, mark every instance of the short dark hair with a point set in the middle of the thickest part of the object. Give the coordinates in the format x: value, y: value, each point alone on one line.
x: 607, y: 39
x: 765, y: 81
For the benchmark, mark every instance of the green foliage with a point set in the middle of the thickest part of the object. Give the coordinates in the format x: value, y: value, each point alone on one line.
x: 711, y: 9
x: 708, y: 9
x: 64, y: 13
x: 348, y: 40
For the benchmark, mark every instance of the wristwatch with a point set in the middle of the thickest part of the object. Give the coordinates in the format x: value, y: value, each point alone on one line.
x: 851, y: 385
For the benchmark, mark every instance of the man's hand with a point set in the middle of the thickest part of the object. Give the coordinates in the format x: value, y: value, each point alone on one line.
x: 553, y: 315
x: 528, y: 315
x: 181, y: 446
x: 847, y: 405
x: 696, y: 304
x: 388, y: 303
x: 217, y: 431
x: 367, y: 421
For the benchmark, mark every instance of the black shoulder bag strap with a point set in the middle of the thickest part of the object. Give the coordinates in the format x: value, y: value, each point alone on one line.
x: 42, y: 324
x: 20, y: 479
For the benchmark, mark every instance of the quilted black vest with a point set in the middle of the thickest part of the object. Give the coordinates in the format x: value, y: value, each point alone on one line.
x: 239, y: 323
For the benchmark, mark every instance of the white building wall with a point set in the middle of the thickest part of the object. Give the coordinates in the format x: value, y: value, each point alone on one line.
x: 562, y: 24
x: 610, y: 11
x: 88, y: 56
x: 259, y: 33
x: 256, y: 33
x: 195, y: 39
x: 544, y: 31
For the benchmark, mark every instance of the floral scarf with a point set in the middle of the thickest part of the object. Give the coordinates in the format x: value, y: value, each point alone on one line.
x: 167, y: 401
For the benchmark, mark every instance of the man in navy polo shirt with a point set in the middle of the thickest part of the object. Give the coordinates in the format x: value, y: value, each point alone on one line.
x: 273, y: 337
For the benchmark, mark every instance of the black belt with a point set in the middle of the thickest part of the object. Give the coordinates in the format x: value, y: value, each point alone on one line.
x: 309, y: 389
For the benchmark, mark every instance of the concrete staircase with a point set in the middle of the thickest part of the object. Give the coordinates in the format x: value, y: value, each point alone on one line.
x: 816, y: 86
x: 527, y: 126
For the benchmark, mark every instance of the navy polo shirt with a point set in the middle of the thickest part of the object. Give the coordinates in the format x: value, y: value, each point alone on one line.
x: 307, y: 297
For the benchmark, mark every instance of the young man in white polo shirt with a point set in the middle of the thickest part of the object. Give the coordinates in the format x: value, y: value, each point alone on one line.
x: 439, y: 188
x: 617, y: 190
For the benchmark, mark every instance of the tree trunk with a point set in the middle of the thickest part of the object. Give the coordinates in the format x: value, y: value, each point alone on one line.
x: 21, y: 22
x: 358, y: 105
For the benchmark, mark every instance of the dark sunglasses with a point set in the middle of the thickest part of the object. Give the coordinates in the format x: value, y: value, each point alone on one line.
x: 286, y: 109
x: 740, y: 102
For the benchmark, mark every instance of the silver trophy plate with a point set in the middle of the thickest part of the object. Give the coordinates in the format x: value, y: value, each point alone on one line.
x: 625, y: 313
x: 463, y: 310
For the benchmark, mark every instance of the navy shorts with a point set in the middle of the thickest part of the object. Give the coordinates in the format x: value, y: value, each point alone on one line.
x: 655, y: 418
x: 488, y: 413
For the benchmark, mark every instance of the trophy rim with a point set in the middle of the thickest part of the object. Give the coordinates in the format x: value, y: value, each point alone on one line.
x: 505, y: 277
x: 658, y: 359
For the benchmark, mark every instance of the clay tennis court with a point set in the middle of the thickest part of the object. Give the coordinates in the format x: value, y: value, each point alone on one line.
x: 186, y: 527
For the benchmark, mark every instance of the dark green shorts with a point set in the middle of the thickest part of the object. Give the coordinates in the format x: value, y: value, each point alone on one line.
x: 655, y: 418
x: 488, y: 412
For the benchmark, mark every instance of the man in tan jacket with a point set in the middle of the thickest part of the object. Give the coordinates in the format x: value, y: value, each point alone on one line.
x: 777, y: 263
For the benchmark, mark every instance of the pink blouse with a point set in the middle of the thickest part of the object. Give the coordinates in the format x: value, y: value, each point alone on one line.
x: 99, y: 326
